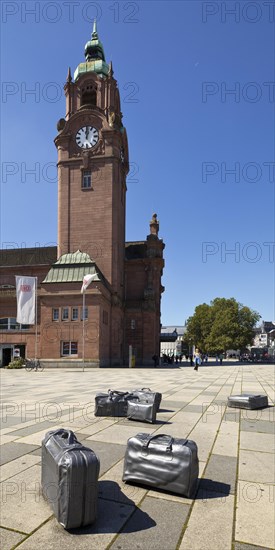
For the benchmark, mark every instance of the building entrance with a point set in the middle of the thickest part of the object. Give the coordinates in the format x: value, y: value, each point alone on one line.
x: 7, y: 353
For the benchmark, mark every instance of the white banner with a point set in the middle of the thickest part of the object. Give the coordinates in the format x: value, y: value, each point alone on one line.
x: 25, y: 292
x: 87, y: 279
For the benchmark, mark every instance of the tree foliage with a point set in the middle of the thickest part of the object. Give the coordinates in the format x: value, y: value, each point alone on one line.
x: 222, y: 325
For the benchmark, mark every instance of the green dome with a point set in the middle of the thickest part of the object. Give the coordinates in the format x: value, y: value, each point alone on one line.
x: 95, y: 57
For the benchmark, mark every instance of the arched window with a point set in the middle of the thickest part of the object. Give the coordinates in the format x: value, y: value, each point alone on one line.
x: 88, y: 95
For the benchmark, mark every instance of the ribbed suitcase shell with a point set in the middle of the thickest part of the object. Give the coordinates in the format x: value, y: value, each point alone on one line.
x: 248, y: 401
x: 162, y: 462
x: 114, y: 403
x: 146, y: 392
x: 143, y: 410
x: 69, y: 479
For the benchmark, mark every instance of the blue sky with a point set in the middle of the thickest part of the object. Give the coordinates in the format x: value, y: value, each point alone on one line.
x: 175, y: 63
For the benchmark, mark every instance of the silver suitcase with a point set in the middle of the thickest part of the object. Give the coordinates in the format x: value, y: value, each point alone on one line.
x: 248, y: 401
x: 69, y: 479
x: 146, y: 393
x: 162, y: 462
x: 143, y: 410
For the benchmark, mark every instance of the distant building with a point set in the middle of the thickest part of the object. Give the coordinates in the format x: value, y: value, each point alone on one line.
x: 265, y: 335
x: 171, y: 340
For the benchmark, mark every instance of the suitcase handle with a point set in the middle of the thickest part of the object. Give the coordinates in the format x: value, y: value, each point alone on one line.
x: 144, y: 389
x: 67, y: 435
x: 168, y: 447
x: 111, y: 392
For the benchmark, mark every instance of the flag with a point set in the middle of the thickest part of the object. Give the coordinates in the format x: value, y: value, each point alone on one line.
x: 25, y: 293
x: 87, y: 279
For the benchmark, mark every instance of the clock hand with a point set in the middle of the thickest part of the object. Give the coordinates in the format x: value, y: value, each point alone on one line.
x: 87, y: 132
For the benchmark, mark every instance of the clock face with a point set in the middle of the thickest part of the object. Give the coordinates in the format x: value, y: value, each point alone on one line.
x: 87, y: 137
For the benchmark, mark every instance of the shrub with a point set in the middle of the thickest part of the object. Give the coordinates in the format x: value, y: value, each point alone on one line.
x: 16, y: 364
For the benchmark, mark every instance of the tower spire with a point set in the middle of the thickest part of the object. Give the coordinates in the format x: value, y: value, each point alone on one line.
x: 94, y: 48
x: 94, y: 33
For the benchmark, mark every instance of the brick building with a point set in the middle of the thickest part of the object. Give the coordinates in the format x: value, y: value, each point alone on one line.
x: 122, y: 304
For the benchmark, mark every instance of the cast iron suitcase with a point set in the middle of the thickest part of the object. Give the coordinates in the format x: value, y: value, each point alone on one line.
x: 146, y: 393
x: 69, y: 479
x: 141, y: 409
x: 162, y: 462
x: 113, y: 403
x: 248, y: 401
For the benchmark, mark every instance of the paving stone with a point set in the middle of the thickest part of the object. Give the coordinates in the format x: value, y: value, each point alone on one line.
x: 243, y: 546
x: 227, y: 439
x: 203, y: 435
x: 36, y: 452
x: 23, y: 506
x: 257, y: 441
x: 210, y: 522
x: 111, y: 518
x: 260, y: 426
x: 258, y: 467
x: 119, y: 434
x: 36, y: 437
x: 193, y: 408
x: 111, y: 487
x: 255, y: 514
x: 184, y: 395
x: 150, y: 526
x: 47, y: 426
x: 168, y: 404
x: 18, y: 465
x: 13, y: 450
x: 259, y: 414
x: 231, y: 415
x: 109, y: 453
x: 8, y: 539
x: 220, y: 472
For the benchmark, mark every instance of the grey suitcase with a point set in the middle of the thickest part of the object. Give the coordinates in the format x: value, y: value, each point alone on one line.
x: 248, y: 401
x: 143, y: 410
x: 69, y: 479
x: 147, y: 393
x: 162, y: 462
x: 114, y: 403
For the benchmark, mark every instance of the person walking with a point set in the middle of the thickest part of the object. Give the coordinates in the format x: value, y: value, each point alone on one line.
x: 197, y: 358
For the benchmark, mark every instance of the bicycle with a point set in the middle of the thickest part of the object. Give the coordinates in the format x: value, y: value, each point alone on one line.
x: 33, y: 364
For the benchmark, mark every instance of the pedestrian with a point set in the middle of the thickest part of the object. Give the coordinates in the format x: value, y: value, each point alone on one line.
x: 197, y: 359
x: 155, y: 359
x: 221, y: 358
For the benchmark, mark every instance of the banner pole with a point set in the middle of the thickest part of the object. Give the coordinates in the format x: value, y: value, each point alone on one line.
x: 83, y: 330
x: 35, y: 349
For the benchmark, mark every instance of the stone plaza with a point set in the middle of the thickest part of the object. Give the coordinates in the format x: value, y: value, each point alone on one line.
x: 234, y: 506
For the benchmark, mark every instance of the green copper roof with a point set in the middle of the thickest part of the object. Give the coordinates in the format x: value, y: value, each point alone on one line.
x: 98, y: 66
x: 95, y: 57
x: 71, y: 268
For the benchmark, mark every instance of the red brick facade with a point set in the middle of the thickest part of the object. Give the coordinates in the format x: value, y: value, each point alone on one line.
x: 123, y: 303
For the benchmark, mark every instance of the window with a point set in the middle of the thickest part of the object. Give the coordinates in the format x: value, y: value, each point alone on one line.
x: 55, y: 314
x: 74, y: 313
x: 85, y: 313
x: 65, y: 314
x: 86, y: 180
x: 69, y: 348
x: 88, y: 96
x: 9, y: 323
x: 133, y: 324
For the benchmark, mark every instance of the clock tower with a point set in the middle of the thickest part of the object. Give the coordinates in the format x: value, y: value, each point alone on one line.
x: 92, y: 167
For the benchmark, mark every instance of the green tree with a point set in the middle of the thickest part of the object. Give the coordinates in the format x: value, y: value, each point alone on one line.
x: 222, y: 325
